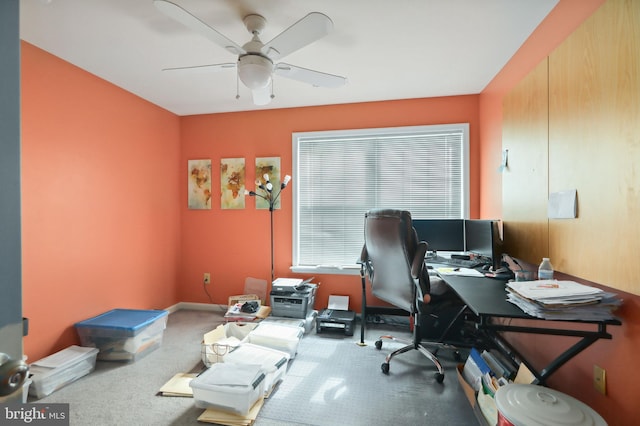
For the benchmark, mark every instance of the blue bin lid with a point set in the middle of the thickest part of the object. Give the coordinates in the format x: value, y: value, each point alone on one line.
x: 123, y: 319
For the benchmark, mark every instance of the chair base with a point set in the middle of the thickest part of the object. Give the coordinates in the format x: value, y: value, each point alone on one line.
x: 409, y: 346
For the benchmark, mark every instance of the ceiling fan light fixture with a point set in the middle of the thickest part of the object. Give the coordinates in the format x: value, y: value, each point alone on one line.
x: 255, y: 71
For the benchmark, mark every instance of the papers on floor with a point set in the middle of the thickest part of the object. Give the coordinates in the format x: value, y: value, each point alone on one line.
x: 465, y: 272
x: 230, y: 419
x: 178, y: 385
x: 562, y: 300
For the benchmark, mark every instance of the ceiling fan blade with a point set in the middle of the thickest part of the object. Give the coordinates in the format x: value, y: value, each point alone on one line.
x: 312, y: 27
x: 179, y: 14
x: 261, y: 96
x: 315, y: 78
x: 200, y: 69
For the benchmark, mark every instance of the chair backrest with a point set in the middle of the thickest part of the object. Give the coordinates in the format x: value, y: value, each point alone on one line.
x: 390, y: 245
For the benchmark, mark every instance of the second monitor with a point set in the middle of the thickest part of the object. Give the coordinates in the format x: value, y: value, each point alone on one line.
x: 482, y: 238
x: 479, y: 237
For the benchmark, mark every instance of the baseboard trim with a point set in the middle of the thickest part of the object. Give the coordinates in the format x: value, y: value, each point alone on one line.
x: 192, y: 306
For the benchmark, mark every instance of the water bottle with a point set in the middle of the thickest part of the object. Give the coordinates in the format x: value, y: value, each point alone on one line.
x: 545, y: 270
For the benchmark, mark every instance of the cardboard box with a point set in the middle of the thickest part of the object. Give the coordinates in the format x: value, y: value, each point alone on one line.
x: 471, y: 396
x: 263, y: 311
x: 223, y: 339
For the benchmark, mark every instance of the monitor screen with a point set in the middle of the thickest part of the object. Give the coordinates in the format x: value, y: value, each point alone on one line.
x: 441, y: 234
x: 482, y: 237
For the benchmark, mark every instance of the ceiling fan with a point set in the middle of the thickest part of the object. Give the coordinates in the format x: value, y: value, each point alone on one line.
x: 255, y: 62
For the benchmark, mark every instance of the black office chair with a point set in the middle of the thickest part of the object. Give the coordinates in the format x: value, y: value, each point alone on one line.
x: 394, y: 262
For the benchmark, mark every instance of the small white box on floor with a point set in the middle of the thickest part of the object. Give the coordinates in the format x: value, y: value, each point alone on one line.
x: 61, y: 368
x: 277, y: 336
x: 229, y: 387
x: 273, y: 362
x: 308, y: 323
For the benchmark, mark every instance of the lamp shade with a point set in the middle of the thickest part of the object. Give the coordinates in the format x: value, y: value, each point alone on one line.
x: 255, y: 71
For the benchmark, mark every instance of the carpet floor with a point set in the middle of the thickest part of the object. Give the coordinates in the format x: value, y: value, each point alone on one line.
x: 331, y: 381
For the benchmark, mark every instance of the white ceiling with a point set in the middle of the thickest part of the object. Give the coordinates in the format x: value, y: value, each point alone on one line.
x: 387, y: 49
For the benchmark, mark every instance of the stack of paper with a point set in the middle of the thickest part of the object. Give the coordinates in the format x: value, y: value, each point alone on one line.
x: 566, y: 300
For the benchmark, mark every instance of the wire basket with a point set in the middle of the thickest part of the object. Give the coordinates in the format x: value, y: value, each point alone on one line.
x: 214, y: 352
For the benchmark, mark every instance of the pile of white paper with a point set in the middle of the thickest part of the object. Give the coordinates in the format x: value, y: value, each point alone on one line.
x: 563, y: 300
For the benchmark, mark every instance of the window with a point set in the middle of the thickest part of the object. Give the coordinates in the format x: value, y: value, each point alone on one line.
x: 339, y: 175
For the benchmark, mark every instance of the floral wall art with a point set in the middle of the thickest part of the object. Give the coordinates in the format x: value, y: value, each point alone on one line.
x: 271, y: 167
x: 199, y: 184
x: 232, y: 179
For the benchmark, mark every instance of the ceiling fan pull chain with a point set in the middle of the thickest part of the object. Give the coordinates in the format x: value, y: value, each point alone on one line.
x: 237, y: 86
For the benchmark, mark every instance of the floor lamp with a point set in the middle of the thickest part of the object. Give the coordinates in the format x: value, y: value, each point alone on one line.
x: 270, y: 196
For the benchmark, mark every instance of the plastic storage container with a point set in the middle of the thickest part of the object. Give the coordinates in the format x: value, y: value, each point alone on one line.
x: 55, y: 371
x: 272, y: 361
x: 545, y: 270
x: 229, y: 387
x: 123, y: 334
x: 309, y: 323
x: 277, y: 336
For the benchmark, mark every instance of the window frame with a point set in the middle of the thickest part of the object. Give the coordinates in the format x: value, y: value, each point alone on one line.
x: 372, y: 133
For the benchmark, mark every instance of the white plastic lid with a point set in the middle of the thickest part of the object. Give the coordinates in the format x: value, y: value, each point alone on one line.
x: 534, y: 405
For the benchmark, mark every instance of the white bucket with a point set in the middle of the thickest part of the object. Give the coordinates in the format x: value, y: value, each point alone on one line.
x: 533, y: 405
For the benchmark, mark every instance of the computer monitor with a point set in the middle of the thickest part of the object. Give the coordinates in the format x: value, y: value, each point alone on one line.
x: 441, y: 234
x: 482, y: 237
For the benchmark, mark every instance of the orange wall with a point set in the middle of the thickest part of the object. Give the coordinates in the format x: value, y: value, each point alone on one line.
x: 235, y: 244
x: 100, y: 191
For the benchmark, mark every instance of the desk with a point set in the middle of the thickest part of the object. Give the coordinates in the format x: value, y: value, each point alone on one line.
x: 486, y: 298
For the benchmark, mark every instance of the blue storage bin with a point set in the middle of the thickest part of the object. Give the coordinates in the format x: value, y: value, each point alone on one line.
x: 123, y: 334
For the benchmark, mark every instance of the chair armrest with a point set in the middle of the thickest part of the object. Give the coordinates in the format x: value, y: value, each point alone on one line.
x: 419, y: 273
x: 418, y: 259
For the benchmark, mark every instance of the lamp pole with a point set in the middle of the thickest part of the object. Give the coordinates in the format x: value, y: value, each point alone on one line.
x: 270, y: 197
x: 271, y: 214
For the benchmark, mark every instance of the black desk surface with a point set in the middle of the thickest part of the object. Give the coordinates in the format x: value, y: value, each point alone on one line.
x: 484, y: 296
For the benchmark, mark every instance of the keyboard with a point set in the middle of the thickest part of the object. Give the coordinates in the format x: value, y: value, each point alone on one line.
x: 462, y: 263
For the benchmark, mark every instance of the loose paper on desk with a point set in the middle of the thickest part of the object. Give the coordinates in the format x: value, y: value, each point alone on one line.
x: 465, y: 272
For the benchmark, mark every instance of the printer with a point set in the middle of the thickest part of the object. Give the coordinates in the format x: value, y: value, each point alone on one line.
x: 292, y: 298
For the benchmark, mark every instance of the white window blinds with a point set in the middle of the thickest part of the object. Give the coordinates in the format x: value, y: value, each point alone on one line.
x: 339, y: 175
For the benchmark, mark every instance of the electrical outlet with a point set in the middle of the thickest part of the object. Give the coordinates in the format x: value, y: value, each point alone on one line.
x: 206, y: 278
x: 600, y: 379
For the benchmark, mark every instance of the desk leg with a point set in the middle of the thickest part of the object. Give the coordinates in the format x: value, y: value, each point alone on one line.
x: 587, y: 338
x: 565, y: 356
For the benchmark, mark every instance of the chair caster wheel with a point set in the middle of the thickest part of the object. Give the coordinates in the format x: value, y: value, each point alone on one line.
x: 439, y: 377
x: 378, y: 344
x: 385, y: 367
